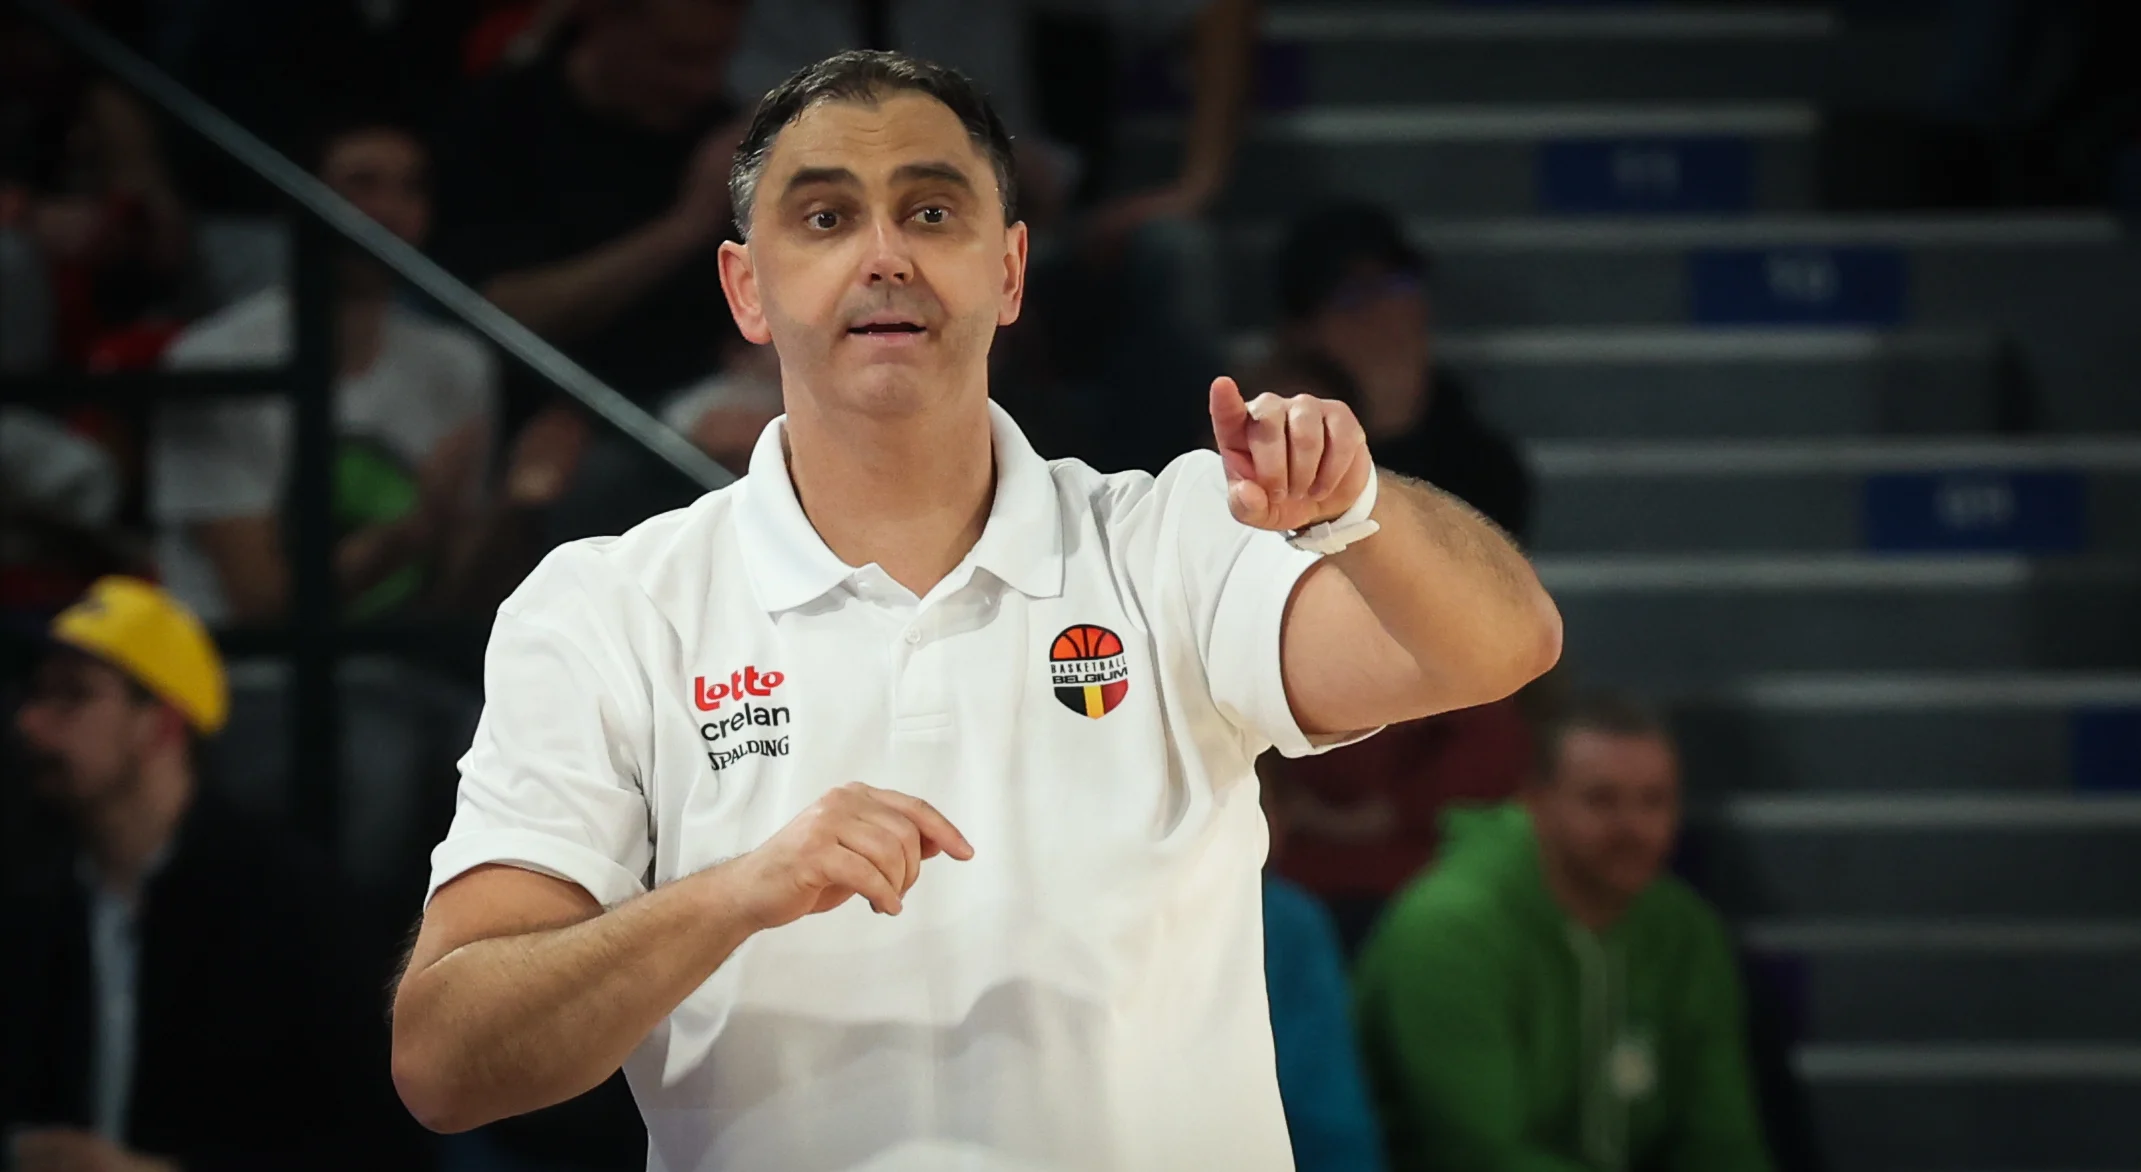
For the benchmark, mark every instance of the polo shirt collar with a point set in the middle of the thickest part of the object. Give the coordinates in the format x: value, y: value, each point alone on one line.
x: 789, y: 564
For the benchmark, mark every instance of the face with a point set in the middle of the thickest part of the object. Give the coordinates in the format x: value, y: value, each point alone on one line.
x: 87, y: 730
x: 676, y: 52
x: 879, y: 265
x: 1611, y: 810
x: 384, y: 173
x: 1377, y: 324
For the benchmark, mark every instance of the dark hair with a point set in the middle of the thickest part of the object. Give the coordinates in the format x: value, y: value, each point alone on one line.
x: 330, y: 129
x: 866, y: 75
x: 1595, y: 710
x: 1325, y: 247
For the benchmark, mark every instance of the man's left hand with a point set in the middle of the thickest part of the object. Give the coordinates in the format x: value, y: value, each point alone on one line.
x: 1290, y: 462
x: 70, y: 1149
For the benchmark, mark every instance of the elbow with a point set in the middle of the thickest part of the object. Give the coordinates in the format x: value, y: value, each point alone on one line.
x: 1545, y: 643
x: 426, y: 1085
x: 1525, y: 646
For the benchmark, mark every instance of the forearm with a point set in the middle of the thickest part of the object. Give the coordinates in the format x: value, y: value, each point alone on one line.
x: 1454, y: 593
x: 1222, y: 64
x: 512, y: 1024
x: 579, y: 296
x: 375, y: 553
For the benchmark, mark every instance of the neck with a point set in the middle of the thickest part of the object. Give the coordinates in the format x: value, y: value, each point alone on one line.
x: 360, y: 321
x: 128, y: 831
x: 911, y: 494
x: 1590, y: 905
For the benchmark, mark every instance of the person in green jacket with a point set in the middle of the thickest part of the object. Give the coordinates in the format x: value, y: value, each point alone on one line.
x: 1545, y: 998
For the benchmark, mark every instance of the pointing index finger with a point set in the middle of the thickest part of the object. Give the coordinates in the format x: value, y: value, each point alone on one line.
x: 1230, y: 413
x: 937, y: 830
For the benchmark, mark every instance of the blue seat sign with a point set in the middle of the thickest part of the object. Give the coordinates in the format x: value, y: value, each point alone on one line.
x: 2104, y: 748
x: 1632, y: 176
x: 1985, y: 511
x: 1813, y: 285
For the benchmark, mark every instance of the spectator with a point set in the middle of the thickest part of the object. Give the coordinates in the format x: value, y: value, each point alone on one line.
x: 1320, y: 1082
x: 1351, y: 286
x: 400, y: 56
x: 414, y: 402
x: 584, y: 194
x: 59, y: 493
x: 1546, y: 998
x: 93, y: 235
x: 172, y: 1001
x: 1364, y: 818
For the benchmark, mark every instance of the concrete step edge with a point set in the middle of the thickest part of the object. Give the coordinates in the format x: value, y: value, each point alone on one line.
x: 1537, y: 234
x: 1965, y: 1062
x: 1673, y: 573
x: 1750, y: 23
x: 1640, y: 345
x: 1859, y: 937
x: 1576, y: 459
x: 1885, y: 813
x: 1854, y: 693
x: 1511, y: 122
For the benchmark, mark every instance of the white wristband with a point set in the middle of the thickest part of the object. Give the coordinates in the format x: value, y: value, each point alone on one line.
x: 1328, y: 537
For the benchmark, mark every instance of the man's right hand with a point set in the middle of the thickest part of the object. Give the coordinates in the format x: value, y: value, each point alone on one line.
x: 856, y: 840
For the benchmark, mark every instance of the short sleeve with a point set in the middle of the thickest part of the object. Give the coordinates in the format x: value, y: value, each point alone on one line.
x: 1230, y: 584
x: 217, y: 460
x: 220, y: 458
x: 553, y: 780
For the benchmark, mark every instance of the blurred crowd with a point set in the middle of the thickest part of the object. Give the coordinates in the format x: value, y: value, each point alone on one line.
x: 1478, y: 957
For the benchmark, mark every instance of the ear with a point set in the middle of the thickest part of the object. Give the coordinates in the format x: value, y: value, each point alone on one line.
x: 1014, y: 295
x: 162, y: 727
x: 739, y: 282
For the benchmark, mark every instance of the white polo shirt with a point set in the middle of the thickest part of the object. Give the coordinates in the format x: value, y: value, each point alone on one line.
x: 1083, y: 697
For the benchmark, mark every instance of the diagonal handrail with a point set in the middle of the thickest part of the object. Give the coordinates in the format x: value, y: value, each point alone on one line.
x: 316, y: 199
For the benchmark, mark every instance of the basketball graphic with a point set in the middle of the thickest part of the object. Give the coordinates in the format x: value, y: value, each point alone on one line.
x: 1090, y: 673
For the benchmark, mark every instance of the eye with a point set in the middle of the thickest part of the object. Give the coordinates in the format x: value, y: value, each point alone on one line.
x: 824, y: 221
x: 933, y: 215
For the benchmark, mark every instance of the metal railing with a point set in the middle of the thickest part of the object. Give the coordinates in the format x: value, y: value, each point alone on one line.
x: 313, y: 636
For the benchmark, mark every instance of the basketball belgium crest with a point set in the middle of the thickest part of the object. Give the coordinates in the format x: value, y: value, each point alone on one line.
x: 1090, y: 673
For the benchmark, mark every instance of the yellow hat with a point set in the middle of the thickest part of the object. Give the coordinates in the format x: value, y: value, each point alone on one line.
x: 146, y: 633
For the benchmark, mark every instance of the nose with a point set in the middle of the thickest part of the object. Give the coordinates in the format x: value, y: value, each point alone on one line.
x: 889, y: 261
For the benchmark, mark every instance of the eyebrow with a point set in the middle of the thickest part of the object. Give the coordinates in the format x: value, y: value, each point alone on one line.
x: 906, y: 173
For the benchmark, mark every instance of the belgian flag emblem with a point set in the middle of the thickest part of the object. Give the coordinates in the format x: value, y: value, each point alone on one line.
x: 1089, y: 670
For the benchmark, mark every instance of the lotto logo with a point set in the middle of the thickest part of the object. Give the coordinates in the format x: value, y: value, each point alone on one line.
x: 748, y: 682
x: 1088, y: 670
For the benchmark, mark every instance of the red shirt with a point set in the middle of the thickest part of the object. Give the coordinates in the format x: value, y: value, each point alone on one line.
x: 1472, y: 755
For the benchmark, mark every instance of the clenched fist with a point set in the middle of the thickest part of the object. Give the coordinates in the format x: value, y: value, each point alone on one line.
x: 856, y: 840
x: 1290, y: 462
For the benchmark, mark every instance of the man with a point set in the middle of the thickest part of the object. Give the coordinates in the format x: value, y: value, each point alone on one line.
x: 414, y: 402
x: 169, y: 1001
x: 905, y: 635
x: 1351, y: 286
x: 584, y: 194
x: 1546, y: 999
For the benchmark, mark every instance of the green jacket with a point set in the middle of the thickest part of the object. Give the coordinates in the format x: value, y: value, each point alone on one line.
x: 1502, y: 1037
